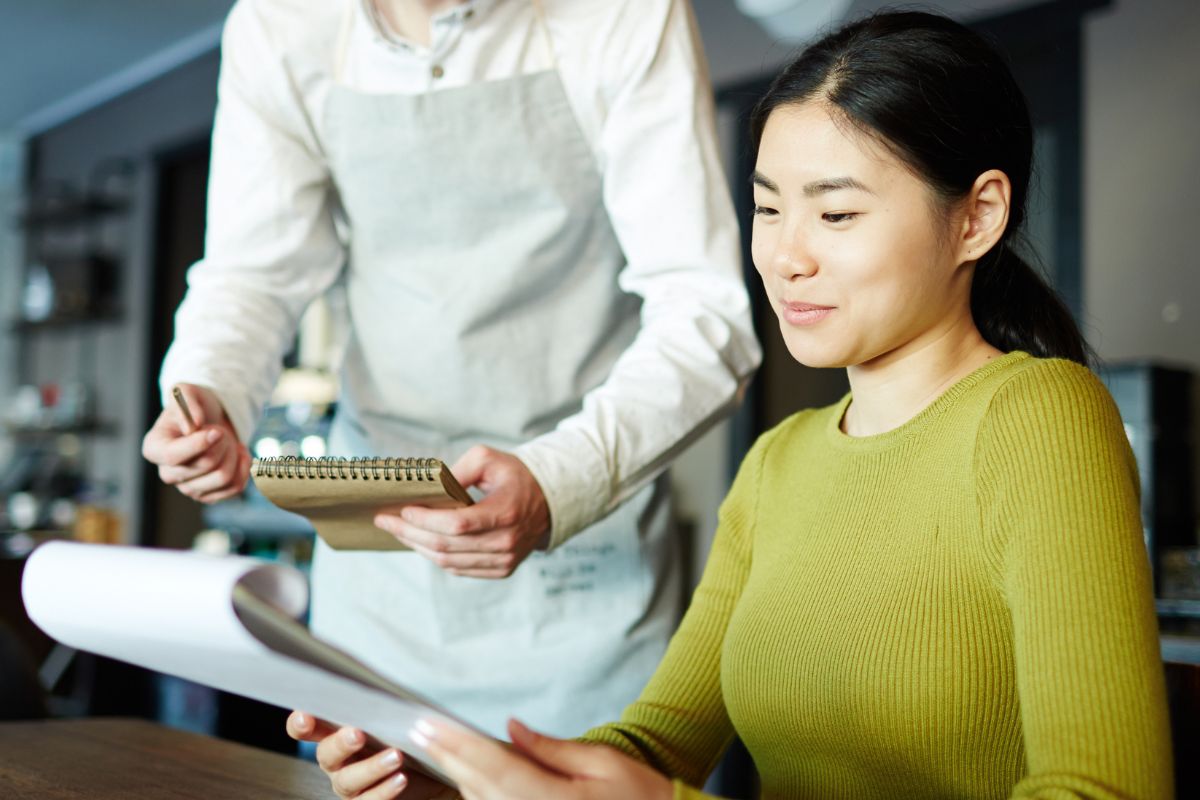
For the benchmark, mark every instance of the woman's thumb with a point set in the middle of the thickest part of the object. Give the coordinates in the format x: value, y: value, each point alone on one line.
x: 561, y: 755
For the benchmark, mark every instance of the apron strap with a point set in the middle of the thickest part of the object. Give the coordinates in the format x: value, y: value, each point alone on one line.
x: 540, y: 12
x: 343, y: 41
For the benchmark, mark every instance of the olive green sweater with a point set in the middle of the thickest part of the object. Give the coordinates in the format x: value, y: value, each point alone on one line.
x: 958, y: 608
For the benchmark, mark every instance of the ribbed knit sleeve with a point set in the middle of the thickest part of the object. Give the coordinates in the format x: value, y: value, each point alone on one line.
x: 1058, y: 497
x: 679, y: 725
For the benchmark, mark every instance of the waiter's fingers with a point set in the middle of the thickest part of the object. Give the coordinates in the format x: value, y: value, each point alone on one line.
x: 162, y: 447
x: 473, y: 565
x: 515, y: 502
x: 233, y: 490
x: 489, y: 514
x: 493, y: 542
x: 469, y: 564
x: 206, y: 462
x: 224, y: 476
x: 486, y: 574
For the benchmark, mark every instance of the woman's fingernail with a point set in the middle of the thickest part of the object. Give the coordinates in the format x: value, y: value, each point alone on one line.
x: 423, y: 732
x: 350, y: 736
x: 399, y: 781
x: 391, y: 758
x: 212, y: 436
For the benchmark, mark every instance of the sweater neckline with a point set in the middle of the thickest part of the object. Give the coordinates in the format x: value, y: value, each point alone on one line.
x: 839, y: 438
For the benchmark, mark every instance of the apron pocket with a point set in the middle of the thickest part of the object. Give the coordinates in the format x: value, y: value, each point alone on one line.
x: 600, y: 579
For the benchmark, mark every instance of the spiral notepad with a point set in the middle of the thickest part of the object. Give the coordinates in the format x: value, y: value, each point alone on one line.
x: 340, y: 496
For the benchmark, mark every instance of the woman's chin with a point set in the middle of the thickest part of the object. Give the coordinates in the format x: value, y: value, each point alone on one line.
x: 818, y: 358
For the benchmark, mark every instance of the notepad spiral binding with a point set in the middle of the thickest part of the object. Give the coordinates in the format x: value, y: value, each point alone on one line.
x: 334, y: 467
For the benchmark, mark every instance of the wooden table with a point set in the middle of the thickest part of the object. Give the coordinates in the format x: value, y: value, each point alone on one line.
x: 132, y: 759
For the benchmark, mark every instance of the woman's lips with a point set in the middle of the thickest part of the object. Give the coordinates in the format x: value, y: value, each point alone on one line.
x: 805, y: 313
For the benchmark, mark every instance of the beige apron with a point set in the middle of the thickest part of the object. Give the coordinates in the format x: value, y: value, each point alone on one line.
x: 482, y: 287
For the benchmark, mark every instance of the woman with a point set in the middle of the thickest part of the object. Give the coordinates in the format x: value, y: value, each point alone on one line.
x: 936, y: 587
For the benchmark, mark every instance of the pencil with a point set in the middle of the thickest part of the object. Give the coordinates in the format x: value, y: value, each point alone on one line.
x: 177, y: 393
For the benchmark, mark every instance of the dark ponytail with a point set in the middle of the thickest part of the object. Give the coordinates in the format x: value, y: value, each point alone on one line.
x: 943, y: 100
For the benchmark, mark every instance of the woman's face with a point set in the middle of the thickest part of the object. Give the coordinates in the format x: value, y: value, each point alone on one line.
x: 850, y: 245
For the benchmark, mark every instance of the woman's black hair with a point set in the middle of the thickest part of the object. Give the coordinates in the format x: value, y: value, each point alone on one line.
x: 944, y: 101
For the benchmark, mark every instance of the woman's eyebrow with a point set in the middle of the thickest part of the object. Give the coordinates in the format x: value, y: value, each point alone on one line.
x: 832, y: 185
x: 758, y: 179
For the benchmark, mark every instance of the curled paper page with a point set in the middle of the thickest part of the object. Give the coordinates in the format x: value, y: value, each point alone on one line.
x: 227, y: 622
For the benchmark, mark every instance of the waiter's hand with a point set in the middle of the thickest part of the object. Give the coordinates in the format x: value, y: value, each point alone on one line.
x: 360, y: 767
x: 489, y: 539
x: 537, y: 766
x: 207, y: 463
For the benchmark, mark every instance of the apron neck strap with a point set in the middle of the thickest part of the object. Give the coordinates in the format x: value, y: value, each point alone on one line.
x: 343, y: 41
x: 540, y: 12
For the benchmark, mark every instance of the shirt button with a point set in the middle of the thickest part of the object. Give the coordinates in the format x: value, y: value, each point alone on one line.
x: 437, y: 71
x: 470, y: 12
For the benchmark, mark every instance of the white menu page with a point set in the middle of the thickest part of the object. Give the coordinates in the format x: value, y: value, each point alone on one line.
x: 228, y: 622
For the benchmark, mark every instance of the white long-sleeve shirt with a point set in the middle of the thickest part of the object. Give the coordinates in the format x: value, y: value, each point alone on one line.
x: 636, y: 81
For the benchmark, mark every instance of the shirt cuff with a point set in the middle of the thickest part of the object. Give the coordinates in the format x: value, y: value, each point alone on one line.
x: 574, y: 477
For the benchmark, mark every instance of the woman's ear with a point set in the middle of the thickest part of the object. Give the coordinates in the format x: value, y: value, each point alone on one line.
x: 986, y: 215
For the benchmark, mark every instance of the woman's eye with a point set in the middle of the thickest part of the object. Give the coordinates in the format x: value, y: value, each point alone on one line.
x: 764, y: 211
x: 836, y: 217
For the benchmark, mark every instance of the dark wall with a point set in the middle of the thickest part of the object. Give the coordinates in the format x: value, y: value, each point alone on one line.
x: 143, y: 126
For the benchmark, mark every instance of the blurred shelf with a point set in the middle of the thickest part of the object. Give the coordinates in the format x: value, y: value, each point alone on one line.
x: 1172, y: 607
x: 1180, y: 648
x: 16, y: 545
x: 90, y: 428
x: 72, y: 212
x: 66, y: 321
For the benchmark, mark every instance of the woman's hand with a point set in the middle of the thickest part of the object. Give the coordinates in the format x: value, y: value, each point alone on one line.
x: 537, y: 767
x: 360, y: 767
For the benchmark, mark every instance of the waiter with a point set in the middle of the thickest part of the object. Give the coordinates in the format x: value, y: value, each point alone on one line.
x: 525, y: 203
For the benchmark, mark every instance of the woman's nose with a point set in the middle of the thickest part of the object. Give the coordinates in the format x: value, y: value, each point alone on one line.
x: 792, y: 259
